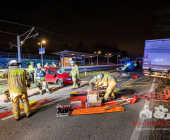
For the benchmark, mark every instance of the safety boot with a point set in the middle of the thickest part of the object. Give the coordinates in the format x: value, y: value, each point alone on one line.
x: 48, y: 92
x: 112, y: 97
x: 17, y: 118
x: 28, y: 116
x: 78, y: 85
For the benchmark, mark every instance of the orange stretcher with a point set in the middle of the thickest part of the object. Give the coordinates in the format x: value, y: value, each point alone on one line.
x: 95, y: 110
x: 82, y: 110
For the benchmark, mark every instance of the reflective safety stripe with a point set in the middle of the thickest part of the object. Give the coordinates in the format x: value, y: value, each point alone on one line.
x: 105, y: 75
x: 16, y: 72
x: 17, y: 90
x: 27, y: 109
x: 16, y: 113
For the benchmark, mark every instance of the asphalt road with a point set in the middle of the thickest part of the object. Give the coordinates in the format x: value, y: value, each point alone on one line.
x: 45, y: 125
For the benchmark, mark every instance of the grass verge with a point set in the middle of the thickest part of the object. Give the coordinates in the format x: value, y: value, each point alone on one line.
x: 161, y: 132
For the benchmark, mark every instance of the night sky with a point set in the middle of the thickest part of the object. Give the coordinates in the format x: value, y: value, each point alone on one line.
x: 126, y: 24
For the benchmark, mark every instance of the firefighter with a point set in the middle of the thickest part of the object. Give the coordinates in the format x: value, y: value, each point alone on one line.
x: 39, y: 77
x: 31, y: 71
x: 135, y: 66
x: 105, y: 81
x: 53, y: 64
x: 18, y: 81
x: 75, y: 75
x: 46, y: 65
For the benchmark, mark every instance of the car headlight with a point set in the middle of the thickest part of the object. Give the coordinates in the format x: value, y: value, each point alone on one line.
x: 68, y: 79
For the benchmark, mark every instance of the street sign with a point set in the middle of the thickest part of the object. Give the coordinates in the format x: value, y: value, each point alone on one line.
x: 42, y: 50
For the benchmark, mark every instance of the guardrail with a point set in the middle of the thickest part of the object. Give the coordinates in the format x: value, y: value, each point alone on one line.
x: 88, y: 68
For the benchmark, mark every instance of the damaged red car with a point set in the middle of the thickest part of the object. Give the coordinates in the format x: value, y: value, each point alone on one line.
x: 58, y: 75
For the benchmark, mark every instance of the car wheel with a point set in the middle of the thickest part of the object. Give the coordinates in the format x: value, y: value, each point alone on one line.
x: 60, y: 82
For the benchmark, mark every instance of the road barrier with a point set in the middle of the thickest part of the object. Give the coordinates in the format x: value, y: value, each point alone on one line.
x: 88, y: 68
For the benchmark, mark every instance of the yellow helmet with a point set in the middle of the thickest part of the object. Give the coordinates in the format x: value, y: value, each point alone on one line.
x: 38, y: 65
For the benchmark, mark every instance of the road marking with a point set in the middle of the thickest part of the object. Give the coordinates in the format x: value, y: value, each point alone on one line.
x: 41, y: 106
x: 137, y: 130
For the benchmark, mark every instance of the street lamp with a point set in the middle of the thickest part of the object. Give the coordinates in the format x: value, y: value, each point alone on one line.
x: 40, y: 43
x: 108, y: 55
x: 21, y: 46
x: 97, y: 55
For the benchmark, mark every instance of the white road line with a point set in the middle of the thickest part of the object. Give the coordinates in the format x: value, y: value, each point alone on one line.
x: 8, y: 117
x: 137, y: 130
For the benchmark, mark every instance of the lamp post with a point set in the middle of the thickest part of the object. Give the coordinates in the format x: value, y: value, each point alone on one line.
x: 21, y: 46
x: 42, y: 42
x: 97, y: 55
x: 108, y: 55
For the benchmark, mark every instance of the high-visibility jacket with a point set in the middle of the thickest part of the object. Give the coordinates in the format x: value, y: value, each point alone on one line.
x: 75, y: 71
x: 46, y: 66
x: 107, y: 79
x: 17, y: 79
x: 30, y: 69
x: 39, y: 74
x: 54, y: 65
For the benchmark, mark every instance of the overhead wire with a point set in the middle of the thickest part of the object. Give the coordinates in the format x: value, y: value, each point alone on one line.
x: 38, y: 29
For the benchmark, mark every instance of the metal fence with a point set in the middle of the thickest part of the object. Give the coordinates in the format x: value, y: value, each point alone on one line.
x: 28, y: 56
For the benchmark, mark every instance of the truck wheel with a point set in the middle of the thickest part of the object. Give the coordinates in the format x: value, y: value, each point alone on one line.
x: 168, y: 75
x: 150, y: 72
x: 60, y: 82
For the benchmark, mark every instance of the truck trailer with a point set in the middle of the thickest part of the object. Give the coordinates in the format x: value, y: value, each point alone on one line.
x: 156, y: 58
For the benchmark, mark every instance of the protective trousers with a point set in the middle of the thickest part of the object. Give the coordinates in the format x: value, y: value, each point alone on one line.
x: 75, y: 81
x: 32, y: 77
x: 42, y: 83
x: 15, y: 103
x: 110, y: 90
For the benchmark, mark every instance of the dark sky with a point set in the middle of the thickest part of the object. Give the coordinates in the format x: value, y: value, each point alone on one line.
x: 125, y: 23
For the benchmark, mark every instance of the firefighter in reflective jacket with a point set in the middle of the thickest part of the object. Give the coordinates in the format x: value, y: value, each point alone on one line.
x: 31, y: 71
x: 46, y: 65
x: 39, y: 77
x: 105, y: 81
x: 18, y: 81
x: 75, y: 75
x: 53, y: 64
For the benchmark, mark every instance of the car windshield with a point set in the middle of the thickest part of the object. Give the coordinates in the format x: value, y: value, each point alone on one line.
x: 60, y: 70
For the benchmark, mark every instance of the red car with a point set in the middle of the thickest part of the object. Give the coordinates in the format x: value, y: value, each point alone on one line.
x: 57, y: 75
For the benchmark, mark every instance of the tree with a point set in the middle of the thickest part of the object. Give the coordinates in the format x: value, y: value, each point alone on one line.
x: 163, y: 25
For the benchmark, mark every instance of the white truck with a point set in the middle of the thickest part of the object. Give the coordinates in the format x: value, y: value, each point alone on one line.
x: 156, y: 59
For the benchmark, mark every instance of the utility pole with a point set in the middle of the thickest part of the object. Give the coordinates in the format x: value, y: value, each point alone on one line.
x: 20, y: 43
x: 19, y: 52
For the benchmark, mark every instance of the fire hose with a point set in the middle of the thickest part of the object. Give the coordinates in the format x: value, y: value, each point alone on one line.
x: 159, y: 98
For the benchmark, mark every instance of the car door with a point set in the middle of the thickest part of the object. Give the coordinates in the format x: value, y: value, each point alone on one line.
x: 50, y: 76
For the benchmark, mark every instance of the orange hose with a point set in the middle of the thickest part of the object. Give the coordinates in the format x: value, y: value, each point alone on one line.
x: 163, y: 97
